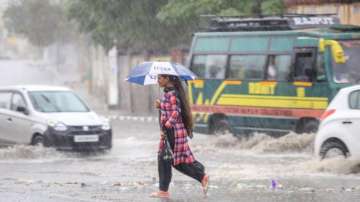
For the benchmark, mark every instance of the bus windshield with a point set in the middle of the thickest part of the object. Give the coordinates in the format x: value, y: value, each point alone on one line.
x: 349, y: 72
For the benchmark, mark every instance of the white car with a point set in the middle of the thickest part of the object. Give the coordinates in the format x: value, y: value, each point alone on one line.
x: 339, y: 131
x: 51, y: 116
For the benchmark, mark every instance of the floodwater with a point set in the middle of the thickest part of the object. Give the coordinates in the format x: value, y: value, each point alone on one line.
x: 239, y: 170
x: 260, y: 168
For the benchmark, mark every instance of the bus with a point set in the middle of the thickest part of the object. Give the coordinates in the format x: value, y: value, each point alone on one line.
x: 273, y: 74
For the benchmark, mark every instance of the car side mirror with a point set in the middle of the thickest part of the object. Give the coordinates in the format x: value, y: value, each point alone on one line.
x: 22, y: 110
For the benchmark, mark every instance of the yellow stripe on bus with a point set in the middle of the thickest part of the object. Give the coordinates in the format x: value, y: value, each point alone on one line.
x: 274, y: 101
x: 302, y: 83
x: 197, y: 83
x: 221, y: 88
x: 232, y: 82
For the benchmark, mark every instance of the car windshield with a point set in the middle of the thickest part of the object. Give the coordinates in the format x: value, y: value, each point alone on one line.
x: 349, y: 72
x: 57, y: 101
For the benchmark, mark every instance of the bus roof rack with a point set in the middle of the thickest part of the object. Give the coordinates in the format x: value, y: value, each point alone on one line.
x: 270, y: 23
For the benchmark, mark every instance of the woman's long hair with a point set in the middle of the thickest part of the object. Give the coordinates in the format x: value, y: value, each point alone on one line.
x: 184, y: 103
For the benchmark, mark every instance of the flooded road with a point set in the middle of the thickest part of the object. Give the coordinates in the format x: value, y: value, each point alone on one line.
x: 258, y: 169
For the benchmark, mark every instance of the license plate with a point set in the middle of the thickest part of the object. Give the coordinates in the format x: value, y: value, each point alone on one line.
x: 86, y: 138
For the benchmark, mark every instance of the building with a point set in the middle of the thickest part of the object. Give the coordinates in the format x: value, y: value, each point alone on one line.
x: 347, y: 10
x: 3, y: 4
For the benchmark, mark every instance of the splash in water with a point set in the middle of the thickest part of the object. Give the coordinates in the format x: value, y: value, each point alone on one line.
x: 263, y: 143
x: 334, y: 165
x: 27, y: 152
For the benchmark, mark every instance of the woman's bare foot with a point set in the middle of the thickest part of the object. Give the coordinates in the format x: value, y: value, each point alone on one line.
x: 205, y: 184
x: 160, y: 194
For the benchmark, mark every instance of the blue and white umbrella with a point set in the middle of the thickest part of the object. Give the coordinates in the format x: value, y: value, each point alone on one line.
x: 146, y: 73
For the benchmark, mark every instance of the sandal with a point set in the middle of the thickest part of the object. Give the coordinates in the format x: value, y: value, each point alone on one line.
x: 160, y: 194
x: 205, y: 184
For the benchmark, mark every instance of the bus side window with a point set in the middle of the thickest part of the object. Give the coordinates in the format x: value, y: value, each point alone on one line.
x: 198, y: 65
x: 215, y: 67
x: 247, y: 67
x: 278, y: 67
x: 209, y: 66
x: 304, y: 70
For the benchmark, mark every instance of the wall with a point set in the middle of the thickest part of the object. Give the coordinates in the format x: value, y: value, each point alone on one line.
x: 133, y: 98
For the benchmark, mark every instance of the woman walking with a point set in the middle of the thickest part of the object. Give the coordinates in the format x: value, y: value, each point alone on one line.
x: 175, y: 126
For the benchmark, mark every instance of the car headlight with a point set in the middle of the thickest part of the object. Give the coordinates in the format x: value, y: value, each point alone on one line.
x: 58, y: 126
x: 105, y: 123
x: 106, y: 126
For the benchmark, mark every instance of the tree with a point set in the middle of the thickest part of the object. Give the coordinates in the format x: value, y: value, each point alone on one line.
x: 178, y: 11
x: 38, y: 20
x: 153, y: 25
x: 132, y: 24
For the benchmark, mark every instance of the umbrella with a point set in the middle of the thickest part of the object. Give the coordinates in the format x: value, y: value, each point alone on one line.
x: 146, y: 73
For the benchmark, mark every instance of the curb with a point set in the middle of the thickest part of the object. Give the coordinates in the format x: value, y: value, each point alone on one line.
x: 134, y: 118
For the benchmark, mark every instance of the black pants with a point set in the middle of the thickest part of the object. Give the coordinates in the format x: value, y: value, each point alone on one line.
x: 194, y: 170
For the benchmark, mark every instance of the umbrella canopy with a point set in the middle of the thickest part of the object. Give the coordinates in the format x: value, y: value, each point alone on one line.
x: 146, y: 73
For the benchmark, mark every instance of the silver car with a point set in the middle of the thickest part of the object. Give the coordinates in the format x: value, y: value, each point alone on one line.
x: 50, y: 116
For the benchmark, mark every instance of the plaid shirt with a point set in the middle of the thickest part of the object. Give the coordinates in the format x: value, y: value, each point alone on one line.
x: 170, y: 117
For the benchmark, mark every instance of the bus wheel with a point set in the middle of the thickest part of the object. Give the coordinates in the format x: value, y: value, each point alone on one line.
x: 308, y: 126
x: 38, y: 140
x: 220, y: 127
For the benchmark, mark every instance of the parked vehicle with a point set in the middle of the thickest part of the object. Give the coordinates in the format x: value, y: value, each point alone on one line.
x: 270, y: 74
x: 339, y: 129
x: 50, y: 116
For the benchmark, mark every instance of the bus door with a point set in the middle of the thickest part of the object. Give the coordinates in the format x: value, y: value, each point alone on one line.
x: 277, y: 76
x: 311, y: 87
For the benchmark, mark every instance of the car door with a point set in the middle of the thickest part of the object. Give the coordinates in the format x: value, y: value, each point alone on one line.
x: 20, y: 123
x: 353, y: 122
x: 5, y: 118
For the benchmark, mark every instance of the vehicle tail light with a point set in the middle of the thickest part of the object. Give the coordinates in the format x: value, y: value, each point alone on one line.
x: 327, y: 113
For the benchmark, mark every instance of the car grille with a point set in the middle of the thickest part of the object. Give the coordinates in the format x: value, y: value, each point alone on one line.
x: 84, y: 130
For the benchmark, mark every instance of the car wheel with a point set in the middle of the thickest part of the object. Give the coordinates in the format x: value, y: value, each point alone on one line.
x: 333, y: 149
x: 38, y: 140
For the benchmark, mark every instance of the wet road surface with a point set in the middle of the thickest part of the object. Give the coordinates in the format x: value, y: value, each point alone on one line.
x: 239, y: 170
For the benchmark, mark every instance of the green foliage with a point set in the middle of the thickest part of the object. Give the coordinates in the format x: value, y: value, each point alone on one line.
x: 132, y: 24
x: 153, y: 25
x: 272, y: 7
x: 38, y: 20
x: 179, y: 10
